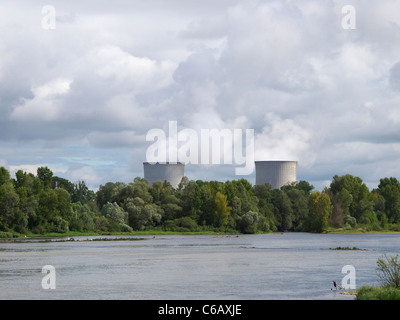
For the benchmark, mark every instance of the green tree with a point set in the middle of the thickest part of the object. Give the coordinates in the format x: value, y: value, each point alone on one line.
x: 341, y: 202
x: 81, y: 193
x: 320, y: 208
x: 190, y: 200
x: 299, y: 204
x: 45, y: 175
x: 389, y: 189
x: 282, y: 210
x: 32, y: 184
x: 222, y: 210
x: 358, y: 191
x: 207, y: 204
x: 249, y: 222
x: 58, y: 182
x: 164, y: 197
x: 252, y: 222
x: 109, y: 193
x: 82, y: 217
x: 142, y: 215
x: 4, y: 175
x: 139, y: 188
x: 9, y: 201
x: 114, y: 212
x: 305, y: 186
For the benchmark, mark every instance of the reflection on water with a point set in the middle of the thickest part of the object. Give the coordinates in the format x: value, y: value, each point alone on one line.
x: 268, y: 266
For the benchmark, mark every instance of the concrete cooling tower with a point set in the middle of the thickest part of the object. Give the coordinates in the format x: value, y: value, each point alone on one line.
x: 171, y: 172
x: 276, y: 173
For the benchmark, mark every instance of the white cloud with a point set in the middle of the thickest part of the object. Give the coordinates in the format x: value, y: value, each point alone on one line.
x: 312, y: 91
x: 29, y: 168
x: 46, y: 103
x: 137, y: 74
x: 284, y: 139
x: 57, y: 169
x: 84, y: 173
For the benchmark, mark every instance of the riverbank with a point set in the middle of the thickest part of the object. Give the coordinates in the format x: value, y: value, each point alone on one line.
x: 154, y: 232
x: 360, y: 230
x: 5, y: 235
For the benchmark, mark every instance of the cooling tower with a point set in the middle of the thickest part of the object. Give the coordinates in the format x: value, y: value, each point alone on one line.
x: 276, y: 173
x: 171, y: 172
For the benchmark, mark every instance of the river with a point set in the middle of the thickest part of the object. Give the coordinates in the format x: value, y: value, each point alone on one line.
x: 174, y: 267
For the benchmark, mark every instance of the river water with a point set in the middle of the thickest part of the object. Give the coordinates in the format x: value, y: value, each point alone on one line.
x: 191, y: 267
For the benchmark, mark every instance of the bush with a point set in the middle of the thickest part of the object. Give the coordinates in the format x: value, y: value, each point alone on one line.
x: 184, y: 224
x: 374, y: 293
x: 249, y: 222
x: 394, y: 227
x: 389, y: 271
x: 59, y: 225
x: 350, y: 221
x: 125, y: 228
x: 39, y: 229
x: 6, y: 234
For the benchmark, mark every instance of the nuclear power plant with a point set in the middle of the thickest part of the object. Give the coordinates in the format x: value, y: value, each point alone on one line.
x: 276, y: 173
x: 170, y: 172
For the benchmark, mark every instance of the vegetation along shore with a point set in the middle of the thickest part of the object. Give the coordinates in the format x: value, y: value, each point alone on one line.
x: 44, y: 204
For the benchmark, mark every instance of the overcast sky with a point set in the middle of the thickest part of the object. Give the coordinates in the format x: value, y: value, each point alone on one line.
x: 81, y: 97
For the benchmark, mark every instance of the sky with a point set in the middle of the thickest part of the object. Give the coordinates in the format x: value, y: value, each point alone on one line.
x: 82, y: 84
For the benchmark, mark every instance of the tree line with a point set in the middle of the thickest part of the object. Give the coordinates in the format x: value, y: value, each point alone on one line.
x: 45, y: 203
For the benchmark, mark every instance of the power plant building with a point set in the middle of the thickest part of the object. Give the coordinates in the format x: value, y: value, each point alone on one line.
x: 276, y: 173
x: 170, y: 172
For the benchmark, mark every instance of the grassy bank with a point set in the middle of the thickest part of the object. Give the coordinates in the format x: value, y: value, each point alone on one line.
x: 133, y: 233
x: 376, y: 293
x: 361, y: 230
x: 5, y: 235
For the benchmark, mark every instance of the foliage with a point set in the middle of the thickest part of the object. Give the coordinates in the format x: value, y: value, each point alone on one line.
x: 389, y: 189
x: 44, y: 203
x: 320, y: 209
x: 222, y: 210
x: 388, y: 269
x: 184, y: 224
x: 374, y: 293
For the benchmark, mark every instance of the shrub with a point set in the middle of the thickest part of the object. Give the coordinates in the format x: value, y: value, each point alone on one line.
x: 125, y: 228
x: 389, y: 270
x: 350, y: 221
x: 6, y: 234
x: 374, y: 293
x: 184, y: 224
x: 59, y: 225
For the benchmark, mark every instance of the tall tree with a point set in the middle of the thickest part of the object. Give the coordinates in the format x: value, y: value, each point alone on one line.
x: 45, y: 175
x: 4, y: 175
x: 282, y: 210
x: 320, y: 208
x: 222, y: 210
x: 389, y: 189
x: 9, y: 201
x: 358, y: 191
